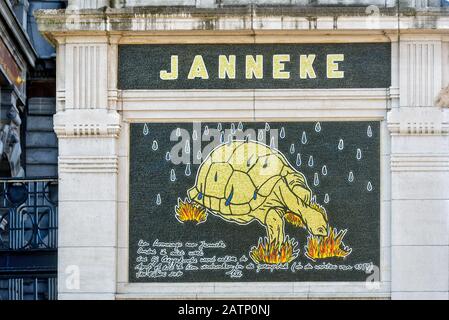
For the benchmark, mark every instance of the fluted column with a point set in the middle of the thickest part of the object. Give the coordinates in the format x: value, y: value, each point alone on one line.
x: 420, y: 174
x: 88, y: 129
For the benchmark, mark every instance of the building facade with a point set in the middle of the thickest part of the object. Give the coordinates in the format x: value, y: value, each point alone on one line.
x: 17, y: 56
x: 28, y: 147
x: 252, y: 149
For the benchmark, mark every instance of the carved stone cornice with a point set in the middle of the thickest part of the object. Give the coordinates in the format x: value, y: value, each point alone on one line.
x: 249, y: 20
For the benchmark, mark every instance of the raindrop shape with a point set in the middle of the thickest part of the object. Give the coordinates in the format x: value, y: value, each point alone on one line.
x: 260, y: 135
x: 298, y: 160
x: 206, y: 130
x: 219, y: 127
x: 200, y: 196
x: 178, y: 132
x: 187, y: 171
x: 167, y: 156
x: 146, y: 131
x: 232, y: 128
x: 292, y: 148
x: 155, y: 145
x: 310, y: 163
x: 267, y: 126
x: 265, y: 164
x: 324, y: 170
x: 304, y: 138
x: 240, y: 126
x: 230, y: 138
x: 317, y: 127
x: 216, y: 176
x: 369, y: 186
x: 158, y: 199
x: 282, y: 133
x: 199, y: 155
x: 272, y: 143
x: 248, y: 162
x: 326, y: 198
x: 255, y: 195
x: 228, y: 200
x: 369, y: 132
x: 316, y: 179
x: 359, y: 154
x: 222, y: 137
x: 351, y: 176
x: 187, y: 147
x: 194, y: 135
x: 314, y: 199
x: 172, y: 175
x: 341, y: 144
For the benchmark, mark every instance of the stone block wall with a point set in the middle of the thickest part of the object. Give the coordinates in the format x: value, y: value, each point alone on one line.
x: 41, y: 141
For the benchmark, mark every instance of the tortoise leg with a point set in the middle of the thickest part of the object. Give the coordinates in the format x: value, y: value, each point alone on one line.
x: 298, y: 185
x: 274, y: 224
x: 291, y: 200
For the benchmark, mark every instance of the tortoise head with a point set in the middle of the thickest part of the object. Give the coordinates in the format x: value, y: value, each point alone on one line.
x: 315, y: 219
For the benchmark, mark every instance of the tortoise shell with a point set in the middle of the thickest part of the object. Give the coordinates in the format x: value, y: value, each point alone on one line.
x: 236, y: 177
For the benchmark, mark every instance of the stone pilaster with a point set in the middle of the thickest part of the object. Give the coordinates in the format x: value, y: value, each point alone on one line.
x: 87, y: 128
x: 420, y: 175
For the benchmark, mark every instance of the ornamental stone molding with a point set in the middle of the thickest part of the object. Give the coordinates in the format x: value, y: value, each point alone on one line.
x: 82, y: 123
x: 418, y: 121
x: 94, y: 4
x: 88, y: 164
x: 416, y: 162
x: 249, y: 20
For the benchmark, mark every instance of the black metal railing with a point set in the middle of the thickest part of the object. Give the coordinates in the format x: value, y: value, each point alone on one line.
x: 44, y: 288
x: 28, y: 238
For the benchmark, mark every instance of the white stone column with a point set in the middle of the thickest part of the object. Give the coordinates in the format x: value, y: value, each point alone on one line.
x: 88, y: 130
x: 420, y: 175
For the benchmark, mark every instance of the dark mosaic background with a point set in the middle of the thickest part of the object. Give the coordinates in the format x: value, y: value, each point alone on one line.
x: 351, y: 205
x: 366, y: 65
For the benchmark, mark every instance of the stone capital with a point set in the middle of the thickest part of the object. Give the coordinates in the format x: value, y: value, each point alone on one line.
x: 87, y: 123
x: 418, y: 121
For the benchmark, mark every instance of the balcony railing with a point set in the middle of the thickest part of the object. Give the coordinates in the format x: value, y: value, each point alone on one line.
x: 28, y: 214
x: 30, y: 288
x: 28, y: 238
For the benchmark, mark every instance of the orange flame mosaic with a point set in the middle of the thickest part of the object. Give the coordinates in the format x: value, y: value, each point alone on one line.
x: 326, y: 247
x: 188, y: 211
x: 273, y: 253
